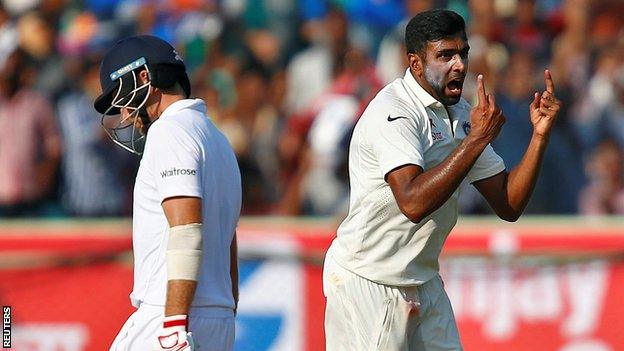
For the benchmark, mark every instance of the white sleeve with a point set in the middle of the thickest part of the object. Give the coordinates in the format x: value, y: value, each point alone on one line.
x: 176, y: 160
x: 488, y: 164
x: 395, y: 143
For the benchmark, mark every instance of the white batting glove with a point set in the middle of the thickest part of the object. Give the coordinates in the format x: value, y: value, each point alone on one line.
x: 174, y: 335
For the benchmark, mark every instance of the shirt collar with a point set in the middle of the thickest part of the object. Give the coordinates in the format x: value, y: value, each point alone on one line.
x: 195, y: 104
x: 420, y: 93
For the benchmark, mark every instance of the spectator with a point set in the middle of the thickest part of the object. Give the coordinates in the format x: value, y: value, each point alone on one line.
x: 391, y: 58
x: 93, y: 172
x: 514, y: 95
x: 37, y: 37
x: 604, y: 195
x: 30, y: 145
x: 600, y: 112
x: 8, y: 36
x: 282, y: 80
x: 252, y: 130
x: 311, y: 71
x: 526, y: 32
x: 613, y: 114
x: 319, y: 186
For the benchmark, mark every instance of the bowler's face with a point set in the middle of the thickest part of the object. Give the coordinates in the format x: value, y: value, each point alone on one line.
x: 445, y: 66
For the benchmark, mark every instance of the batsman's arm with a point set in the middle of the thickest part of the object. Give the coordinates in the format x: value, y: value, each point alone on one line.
x: 184, y: 215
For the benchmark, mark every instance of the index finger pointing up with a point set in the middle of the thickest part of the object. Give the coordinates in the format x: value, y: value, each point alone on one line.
x: 481, y: 92
x: 550, y: 85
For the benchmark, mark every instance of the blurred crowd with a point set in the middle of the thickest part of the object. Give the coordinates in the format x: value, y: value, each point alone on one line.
x: 286, y: 80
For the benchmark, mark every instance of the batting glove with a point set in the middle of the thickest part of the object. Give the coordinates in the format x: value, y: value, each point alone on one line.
x: 174, y: 335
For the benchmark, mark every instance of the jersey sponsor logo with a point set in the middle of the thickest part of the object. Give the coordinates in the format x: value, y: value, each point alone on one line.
x: 390, y: 119
x: 177, y: 172
x: 435, y: 135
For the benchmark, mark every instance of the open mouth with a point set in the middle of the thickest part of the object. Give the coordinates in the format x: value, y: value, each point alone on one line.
x: 454, y: 86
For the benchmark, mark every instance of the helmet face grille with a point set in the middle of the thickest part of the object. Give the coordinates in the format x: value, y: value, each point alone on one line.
x: 128, y: 128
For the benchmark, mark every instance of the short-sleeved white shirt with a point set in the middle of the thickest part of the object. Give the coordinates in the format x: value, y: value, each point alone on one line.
x: 402, y: 125
x: 185, y: 155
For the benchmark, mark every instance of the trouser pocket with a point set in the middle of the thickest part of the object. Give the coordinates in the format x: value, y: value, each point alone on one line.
x: 386, y: 324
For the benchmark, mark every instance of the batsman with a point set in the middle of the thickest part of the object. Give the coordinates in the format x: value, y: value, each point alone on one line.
x: 186, y: 205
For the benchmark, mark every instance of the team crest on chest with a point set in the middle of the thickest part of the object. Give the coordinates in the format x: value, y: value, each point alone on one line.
x: 466, y: 127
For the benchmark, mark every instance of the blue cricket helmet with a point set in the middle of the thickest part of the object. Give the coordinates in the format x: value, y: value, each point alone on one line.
x: 164, y: 64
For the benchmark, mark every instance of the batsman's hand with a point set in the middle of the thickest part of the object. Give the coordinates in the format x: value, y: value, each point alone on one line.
x: 486, y: 118
x: 174, y: 335
x: 544, y: 108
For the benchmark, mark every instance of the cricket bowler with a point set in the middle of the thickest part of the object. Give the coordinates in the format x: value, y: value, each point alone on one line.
x: 410, y: 150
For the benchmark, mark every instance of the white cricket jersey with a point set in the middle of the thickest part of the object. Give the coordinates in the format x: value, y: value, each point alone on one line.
x: 402, y: 125
x: 185, y: 155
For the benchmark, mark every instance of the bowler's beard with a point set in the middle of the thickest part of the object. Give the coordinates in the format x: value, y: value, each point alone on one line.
x: 436, y: 82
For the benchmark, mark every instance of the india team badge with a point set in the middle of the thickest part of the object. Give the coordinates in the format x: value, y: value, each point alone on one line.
x: 466, y: 127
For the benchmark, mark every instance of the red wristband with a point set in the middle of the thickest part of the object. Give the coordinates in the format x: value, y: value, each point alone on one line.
x: 176, y: 321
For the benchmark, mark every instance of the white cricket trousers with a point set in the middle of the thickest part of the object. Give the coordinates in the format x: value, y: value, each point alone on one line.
x: 362, y: 315
x: 212, y: 328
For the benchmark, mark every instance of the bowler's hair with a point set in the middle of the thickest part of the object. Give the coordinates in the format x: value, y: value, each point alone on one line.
x: 432, y: 25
